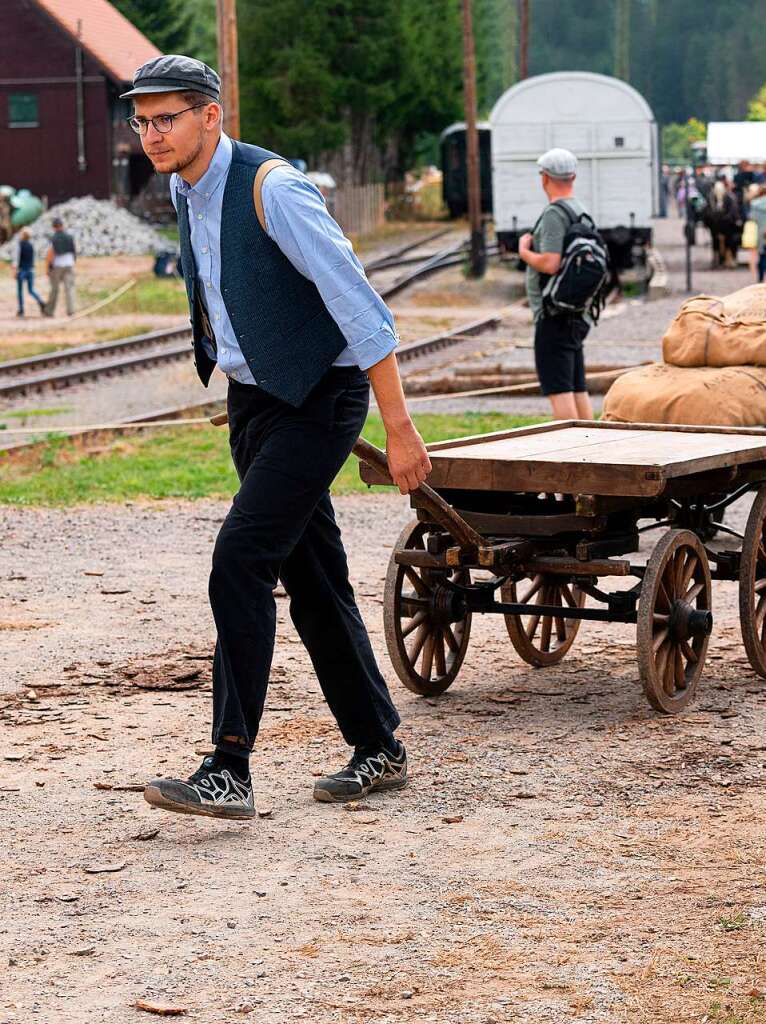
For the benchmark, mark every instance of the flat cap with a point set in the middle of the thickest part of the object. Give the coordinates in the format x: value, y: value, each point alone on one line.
x: 175, y: 73
x: 558, y: 163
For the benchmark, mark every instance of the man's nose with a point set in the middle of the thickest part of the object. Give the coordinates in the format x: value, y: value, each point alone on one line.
x: 152, y: 135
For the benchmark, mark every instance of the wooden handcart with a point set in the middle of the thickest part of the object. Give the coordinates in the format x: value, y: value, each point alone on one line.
x: 538, y: 516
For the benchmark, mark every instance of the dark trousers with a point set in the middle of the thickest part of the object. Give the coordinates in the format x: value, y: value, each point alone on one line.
x: 761, y: 266
x: 282, y: 526
x: 27, y: 276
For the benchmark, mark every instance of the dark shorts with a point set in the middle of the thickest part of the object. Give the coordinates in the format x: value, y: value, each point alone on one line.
x: 559, y: 354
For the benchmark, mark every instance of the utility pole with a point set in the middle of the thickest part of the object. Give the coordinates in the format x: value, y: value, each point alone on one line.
x: 523, y: 39
x: 622, y: 40
x: 478, y: 255
x: 228, y: 65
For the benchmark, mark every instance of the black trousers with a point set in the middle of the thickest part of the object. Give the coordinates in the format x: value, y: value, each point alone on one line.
x: 282, y: 526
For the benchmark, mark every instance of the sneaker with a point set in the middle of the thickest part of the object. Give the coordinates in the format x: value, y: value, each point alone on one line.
x: 213, y: 791
x: 367, y: 771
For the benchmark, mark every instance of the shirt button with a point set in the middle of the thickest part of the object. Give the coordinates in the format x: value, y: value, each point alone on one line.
x: 199, y: 216
x: 204, y: 250
x: 218, y: 316
x: 209, y: 284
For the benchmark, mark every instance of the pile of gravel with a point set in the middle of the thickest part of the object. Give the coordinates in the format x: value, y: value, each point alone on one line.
x: 99, y: 228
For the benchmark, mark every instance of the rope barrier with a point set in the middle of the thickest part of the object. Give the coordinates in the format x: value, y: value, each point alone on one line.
x: 105, y: 302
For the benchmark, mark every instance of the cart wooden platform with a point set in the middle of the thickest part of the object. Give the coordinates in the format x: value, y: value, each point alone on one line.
x: 540, y: 515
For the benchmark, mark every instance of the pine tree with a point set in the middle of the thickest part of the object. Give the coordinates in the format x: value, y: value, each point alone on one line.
x: 165, y: 23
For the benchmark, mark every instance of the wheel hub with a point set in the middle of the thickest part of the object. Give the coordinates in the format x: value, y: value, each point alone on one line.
x: 447, y: 605
x: 687, y: 622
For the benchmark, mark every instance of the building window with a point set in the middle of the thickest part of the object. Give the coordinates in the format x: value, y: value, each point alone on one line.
x: 22, y: 110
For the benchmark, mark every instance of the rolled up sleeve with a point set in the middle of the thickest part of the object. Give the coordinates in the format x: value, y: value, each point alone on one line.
x: 300, y: 224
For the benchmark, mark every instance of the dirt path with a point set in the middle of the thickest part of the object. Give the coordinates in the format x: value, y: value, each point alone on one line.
x: 600, y: 864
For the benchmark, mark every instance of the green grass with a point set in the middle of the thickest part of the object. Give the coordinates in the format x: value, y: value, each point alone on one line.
x: 22, y: 414
x: 184, y: 463
x: 149, y: 295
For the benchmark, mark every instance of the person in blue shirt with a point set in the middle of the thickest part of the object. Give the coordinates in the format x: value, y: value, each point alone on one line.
x: 281, y: 305
x: 25, y: 272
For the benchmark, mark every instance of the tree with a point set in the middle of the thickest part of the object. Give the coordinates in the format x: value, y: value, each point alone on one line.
x: 677, y: 140
x: 202, y: 37
x: 348, y: 76
x: 166, y: 23
x: 756, y: 110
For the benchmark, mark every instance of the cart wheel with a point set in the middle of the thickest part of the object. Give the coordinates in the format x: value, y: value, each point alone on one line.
x: 542, y: 639
x: 752, y: 585
x: 427, y: 627
x: 674, y: 620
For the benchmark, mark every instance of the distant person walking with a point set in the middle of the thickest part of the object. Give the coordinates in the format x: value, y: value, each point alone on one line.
x: 61, y: 260
x: 25, y: 272
x: 559, y: 338
x: 758, y: 214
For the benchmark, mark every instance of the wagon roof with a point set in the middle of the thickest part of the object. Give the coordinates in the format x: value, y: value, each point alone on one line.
x: 107, y: 35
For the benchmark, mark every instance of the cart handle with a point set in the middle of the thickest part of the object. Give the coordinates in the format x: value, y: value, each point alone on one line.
x: 425, y: 497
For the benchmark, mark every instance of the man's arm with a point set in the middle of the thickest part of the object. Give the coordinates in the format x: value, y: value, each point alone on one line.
x: 552, y: 232
x: 408, y: 461
x: 298, y: 221
x: 49, y: 259
x: 543, y: 262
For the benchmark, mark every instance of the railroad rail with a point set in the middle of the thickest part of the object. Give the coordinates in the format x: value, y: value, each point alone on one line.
x: 407, y: 354
x: 70, y: 367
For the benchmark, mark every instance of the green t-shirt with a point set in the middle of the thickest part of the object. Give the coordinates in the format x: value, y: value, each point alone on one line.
x: 549, y: 237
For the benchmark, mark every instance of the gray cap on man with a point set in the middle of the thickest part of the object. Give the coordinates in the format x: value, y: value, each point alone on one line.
x: 175, y: 73
x: 558, y: 163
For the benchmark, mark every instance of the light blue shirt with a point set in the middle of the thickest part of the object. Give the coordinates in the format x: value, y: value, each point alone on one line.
x: 300, y: 224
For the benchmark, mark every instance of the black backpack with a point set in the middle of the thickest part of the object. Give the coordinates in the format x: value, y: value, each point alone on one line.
x: 581, y: 283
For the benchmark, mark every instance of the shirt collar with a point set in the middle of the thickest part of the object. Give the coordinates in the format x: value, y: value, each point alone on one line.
x: 216, y: 172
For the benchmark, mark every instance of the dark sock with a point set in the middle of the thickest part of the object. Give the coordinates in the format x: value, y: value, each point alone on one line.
x: 239, y: 764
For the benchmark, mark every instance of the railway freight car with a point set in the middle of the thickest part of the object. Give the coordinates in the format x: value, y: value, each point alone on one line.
x: 454, y: 163
x: 611, y: 130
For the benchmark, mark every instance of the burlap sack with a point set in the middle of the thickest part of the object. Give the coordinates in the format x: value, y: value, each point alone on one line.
x: 719, y: 332
x: 729, y: 397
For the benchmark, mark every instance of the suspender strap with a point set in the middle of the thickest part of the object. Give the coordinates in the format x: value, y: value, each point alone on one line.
x: 260, y: 177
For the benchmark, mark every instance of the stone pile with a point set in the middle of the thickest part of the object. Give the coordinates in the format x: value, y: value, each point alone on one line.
x: 99, y: 228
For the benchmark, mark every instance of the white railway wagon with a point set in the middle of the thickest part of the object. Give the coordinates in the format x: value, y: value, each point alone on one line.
x: 611, y: 130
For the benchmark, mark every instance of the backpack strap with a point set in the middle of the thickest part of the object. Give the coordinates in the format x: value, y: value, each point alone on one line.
x: 574, y: 218
x: 266, y: 167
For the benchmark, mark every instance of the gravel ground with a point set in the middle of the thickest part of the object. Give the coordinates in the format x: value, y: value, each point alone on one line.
x: 562, y: 854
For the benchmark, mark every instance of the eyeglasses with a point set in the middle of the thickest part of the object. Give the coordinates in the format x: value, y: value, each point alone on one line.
x: 162, y: 122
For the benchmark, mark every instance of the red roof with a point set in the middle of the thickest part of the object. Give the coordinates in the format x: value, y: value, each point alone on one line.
x: 107, y: 35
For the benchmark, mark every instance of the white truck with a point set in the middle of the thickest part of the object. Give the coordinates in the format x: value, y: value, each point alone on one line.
x: 611, y: 130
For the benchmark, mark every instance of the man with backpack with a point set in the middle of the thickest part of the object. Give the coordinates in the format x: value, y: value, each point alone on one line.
x: 567, y: 272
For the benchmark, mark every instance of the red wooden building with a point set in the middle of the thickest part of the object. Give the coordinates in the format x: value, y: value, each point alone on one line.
x: 63, y: 64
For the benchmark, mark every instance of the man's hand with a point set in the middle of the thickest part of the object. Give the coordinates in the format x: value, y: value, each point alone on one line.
x: 525, y: 244
x: 408, y: 461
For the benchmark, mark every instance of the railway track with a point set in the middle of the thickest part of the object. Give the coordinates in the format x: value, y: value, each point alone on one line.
x: 66, y: 368
x: 408, y: 355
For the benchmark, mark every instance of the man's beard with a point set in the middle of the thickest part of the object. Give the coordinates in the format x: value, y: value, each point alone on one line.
x: 181, y: 165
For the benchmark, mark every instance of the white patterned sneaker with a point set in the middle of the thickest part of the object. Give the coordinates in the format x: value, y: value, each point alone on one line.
x: 213, y: 791
x: 369, y: 770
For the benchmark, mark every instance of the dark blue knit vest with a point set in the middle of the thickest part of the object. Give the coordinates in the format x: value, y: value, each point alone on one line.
x: 287, y: 336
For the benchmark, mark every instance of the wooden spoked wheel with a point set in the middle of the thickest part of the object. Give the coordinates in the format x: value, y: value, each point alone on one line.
x: 426, y: 627
x: 674, y: 621
x: 752, y: 585
x: 542, y: 639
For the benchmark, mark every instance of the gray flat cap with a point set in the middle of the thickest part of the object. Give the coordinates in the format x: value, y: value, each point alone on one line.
x: 175, y: 73
x: 558, y: 163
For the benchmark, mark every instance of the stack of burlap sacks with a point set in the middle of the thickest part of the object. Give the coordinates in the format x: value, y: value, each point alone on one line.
x: 714, y: 369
